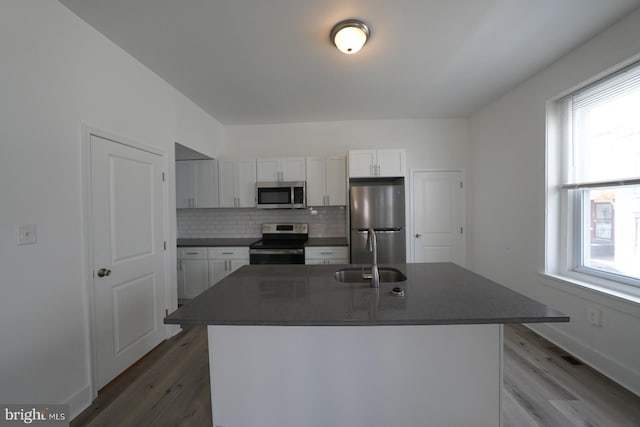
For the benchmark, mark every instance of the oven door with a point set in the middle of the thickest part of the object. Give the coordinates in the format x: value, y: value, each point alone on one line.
x: 276, y: 256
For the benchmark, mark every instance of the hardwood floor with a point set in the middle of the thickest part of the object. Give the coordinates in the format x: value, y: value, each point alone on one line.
x: 544, y: 387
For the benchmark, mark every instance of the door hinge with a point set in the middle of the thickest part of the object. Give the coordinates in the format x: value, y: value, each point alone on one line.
x: 165, y: 245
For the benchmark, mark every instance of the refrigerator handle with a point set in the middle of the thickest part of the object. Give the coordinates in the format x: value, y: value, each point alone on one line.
x: 381, y: 230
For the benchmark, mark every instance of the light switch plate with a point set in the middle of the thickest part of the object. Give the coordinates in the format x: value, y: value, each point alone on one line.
x: 27, y: 234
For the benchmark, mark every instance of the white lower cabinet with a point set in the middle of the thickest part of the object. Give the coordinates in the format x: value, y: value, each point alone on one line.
x: 193, y: 272
x: 201, y: 268
x: 224, y: 261
x: 326, y: 255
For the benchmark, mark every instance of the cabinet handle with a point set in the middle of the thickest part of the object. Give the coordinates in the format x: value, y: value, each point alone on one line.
x: 227, y: 253
x: 192, y: 253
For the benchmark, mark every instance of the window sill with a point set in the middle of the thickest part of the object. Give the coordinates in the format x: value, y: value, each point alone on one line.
x: 617, y: 291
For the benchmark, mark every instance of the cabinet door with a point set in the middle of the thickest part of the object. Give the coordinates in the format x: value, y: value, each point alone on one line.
x: 205, y: 182
x: 217, y: 270
x: 316, y: 181
x: 268, y: 170
x: 391, y: 162
x: 336, y: 179
x: 235, y: 264
x: 362, y: 163
x: 195, y: 276
x: 293, y: 169
x: 184, y: 184
x: 181, y: 279
x: 227, y: 183
x: 246, y: 183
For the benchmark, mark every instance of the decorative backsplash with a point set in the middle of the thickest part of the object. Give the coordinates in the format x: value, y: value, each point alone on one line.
x: 211, y: 223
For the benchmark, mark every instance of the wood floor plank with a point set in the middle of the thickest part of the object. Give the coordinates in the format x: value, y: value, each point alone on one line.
x: 513, y: 414
x: 170, y: 387
x: 579, y: 413
x: 532, y: 401
x: 608, y: 400
x: 546, y: 385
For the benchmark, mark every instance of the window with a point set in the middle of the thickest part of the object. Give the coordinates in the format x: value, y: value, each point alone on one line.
x: 597, y: 181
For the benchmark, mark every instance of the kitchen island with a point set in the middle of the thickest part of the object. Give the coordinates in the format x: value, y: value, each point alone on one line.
x: 289, y: 345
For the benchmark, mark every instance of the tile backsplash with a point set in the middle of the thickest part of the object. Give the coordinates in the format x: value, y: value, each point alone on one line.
x: 211, y: 223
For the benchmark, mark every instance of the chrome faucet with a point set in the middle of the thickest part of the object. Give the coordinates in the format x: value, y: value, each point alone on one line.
x: 372, y: 246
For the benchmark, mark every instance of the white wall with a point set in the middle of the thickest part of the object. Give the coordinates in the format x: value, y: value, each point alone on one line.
x: 507, y: 205
x: 57, y: 73
x: 430, y: 143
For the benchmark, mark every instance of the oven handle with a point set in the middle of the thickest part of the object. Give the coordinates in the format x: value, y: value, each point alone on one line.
x: 276, y: 251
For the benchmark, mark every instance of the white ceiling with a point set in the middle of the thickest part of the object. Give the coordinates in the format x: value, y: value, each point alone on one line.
x: 271, y: 61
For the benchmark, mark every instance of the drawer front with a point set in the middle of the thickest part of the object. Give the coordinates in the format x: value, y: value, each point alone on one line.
x: 229, y: 253
x: 316, y: 261
x: 192, y: 253
x: 327, y: 252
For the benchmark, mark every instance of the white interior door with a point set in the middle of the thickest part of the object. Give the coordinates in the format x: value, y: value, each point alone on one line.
x: 439, y: 217
x: 128, y: 254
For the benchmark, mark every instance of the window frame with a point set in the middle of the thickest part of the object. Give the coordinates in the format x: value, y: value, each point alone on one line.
x: 565, y: 203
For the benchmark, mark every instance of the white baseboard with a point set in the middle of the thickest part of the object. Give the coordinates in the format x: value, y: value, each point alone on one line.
x: 616, y: 371
x: 79, y: 401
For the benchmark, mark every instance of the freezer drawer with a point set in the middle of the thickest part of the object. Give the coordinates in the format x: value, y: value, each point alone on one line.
x: 391, y: 247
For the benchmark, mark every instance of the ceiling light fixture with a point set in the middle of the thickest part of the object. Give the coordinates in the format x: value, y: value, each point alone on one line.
x: 350, y: 35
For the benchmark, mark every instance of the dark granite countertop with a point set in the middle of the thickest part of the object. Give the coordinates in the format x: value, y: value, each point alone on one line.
x: 308, y: 295
x: 213, y: 242
x: 327, y: 241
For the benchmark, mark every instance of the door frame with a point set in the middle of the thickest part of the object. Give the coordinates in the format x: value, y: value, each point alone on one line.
x: 411, y: 218
x: 90, y: 329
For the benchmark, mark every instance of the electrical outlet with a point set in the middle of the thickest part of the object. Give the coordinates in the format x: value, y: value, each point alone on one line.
x: 594, y: 316
x: 27, y: 234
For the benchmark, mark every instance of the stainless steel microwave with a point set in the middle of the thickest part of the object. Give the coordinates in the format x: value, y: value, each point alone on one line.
x: 281, y: 195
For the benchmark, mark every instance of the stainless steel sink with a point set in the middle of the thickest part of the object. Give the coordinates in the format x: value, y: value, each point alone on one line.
x: 354, y: 275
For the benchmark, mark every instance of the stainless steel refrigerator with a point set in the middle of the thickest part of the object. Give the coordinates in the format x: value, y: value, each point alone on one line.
x: 377, y: 203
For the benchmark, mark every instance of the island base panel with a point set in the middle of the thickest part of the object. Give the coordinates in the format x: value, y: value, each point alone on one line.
x: 281, y: 376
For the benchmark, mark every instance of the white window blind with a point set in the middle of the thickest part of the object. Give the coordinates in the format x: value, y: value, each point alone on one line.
x: 600, y: 133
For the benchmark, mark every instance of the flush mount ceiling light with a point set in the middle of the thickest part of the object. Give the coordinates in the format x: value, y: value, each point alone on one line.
x: 350, y: 35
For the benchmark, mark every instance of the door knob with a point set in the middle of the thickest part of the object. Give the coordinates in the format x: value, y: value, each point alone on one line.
x: 104, y: 272
x: 418, y: 235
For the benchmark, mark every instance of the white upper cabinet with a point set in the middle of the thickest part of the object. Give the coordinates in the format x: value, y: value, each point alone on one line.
x: 373, y: 163
x: 326, y: 181
x: 362, y: 162
x: 196, y: 184
x: 337, y: 181
x: 184, y: 185
x: 281, y: 169
x: 237, y: 183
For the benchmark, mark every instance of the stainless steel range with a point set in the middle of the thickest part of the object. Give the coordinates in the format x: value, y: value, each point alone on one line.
x: 280, y: 244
